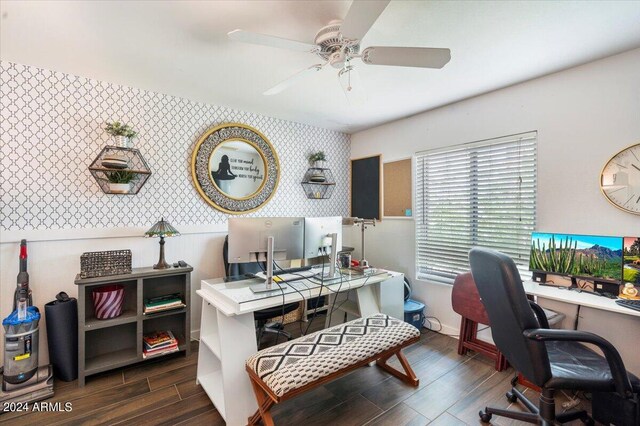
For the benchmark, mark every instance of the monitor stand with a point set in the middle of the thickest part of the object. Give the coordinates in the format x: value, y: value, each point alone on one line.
x: 333, y: 257
x: 268, y: 284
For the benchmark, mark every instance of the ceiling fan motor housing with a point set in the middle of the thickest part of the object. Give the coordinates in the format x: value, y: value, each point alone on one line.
x: 333, y: 47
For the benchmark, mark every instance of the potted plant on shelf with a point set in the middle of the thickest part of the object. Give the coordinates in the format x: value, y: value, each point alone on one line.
x: 120, y: 181
x: 123, y: 134
x: 318, y: 160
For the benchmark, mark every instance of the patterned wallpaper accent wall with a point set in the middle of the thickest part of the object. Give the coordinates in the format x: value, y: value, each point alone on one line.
x: 52, y: 128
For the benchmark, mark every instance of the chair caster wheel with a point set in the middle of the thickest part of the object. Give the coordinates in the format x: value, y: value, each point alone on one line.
x: 511, y: 397
x: 514, y: 381
x: 484, y: 417
x: 589, y: 422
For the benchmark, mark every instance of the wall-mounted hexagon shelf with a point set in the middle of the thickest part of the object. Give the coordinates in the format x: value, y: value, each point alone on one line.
x: 120, y: 170
x: 318, y: 183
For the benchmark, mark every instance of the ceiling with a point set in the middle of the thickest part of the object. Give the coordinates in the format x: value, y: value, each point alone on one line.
x: 180, y: 48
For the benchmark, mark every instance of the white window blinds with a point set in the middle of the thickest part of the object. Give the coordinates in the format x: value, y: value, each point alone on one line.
x: 476, y: 194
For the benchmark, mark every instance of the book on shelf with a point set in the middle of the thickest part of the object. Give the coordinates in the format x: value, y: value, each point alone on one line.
x: 158, y: 338
x: 163, y: 303
x: 146, y: 354
x: 159, y: 343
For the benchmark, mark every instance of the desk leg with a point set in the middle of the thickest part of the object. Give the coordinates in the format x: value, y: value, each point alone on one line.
x: 237, y: 343
x: 390, y: 295
x: 225, y: 344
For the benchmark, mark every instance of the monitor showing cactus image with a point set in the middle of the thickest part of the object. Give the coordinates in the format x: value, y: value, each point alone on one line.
x: 631, y: 271
x: 584, y: 256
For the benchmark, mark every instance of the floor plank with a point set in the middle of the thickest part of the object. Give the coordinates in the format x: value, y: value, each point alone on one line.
x: 131, y: 408
x: 446, y: 419
x: 86, y: 404
x: 435, y: 398
x: 171, y: 414
x: 69, y: 391
x: 188, y: 388
x: 355, y: 411
x: 209, y: 418
x: 172, y: 377
x: 310, y: 404
x: 357, y: 382
x: 399, y: 415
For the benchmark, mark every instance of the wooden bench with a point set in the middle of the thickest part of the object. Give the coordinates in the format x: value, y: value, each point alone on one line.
x: 289, y: 369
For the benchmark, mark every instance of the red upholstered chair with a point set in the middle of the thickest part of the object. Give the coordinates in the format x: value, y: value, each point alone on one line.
x: 466, y: 302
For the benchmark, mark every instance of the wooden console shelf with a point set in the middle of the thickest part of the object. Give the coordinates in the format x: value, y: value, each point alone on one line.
x: 112, y: 343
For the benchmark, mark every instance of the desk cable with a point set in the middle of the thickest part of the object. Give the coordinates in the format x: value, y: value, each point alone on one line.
x: 281, y: 291
x: 304, y: 299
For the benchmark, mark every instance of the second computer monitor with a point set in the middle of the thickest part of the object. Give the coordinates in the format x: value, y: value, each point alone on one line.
x: 317, y: 235
x: 248, y: 238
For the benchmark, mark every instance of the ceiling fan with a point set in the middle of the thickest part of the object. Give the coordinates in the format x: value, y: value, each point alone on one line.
x: 338, y: 44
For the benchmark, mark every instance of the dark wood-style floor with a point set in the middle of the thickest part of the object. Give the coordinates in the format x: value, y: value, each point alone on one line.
x: 452, y: 390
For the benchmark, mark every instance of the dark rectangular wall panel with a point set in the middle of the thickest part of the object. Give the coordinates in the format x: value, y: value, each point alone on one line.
x: 365, y: 188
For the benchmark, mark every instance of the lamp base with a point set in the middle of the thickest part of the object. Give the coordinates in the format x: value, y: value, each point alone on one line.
x: 161, y: 265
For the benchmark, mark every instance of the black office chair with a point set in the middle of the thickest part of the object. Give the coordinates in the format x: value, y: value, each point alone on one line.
x: 261, y: 317
x: 550, y: 359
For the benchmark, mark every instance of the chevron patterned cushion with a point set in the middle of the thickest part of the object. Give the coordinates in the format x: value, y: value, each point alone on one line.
x: 309, y: 358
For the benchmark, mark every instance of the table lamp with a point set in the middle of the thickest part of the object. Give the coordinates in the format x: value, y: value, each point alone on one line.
x: 162, y: 229
x: 351, y: 221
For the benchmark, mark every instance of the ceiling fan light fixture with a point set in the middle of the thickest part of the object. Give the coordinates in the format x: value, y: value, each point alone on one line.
x: 338, y: 59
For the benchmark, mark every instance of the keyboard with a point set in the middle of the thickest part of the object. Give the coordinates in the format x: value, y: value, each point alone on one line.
x: 631, y: 304
x: 291, y: 270
x: 291, y: 274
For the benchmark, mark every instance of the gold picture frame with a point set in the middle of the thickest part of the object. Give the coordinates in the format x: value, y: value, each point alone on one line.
x: 211, y: 192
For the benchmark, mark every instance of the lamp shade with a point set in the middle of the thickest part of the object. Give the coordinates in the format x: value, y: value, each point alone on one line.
x: 162, y: 229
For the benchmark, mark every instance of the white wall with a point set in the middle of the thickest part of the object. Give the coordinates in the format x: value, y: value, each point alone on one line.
x: 583, y: 116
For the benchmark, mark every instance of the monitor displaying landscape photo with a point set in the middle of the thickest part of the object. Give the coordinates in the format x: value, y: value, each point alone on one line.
x: 584, y: 256
x: 631, y: 271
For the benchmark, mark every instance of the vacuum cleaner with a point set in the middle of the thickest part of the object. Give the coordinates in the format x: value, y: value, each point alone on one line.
x: 22, y: 380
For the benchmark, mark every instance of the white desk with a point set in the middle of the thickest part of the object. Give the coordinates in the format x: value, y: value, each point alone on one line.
x: 573, y: 297
x: 599, y: 315
x: 228, y: 337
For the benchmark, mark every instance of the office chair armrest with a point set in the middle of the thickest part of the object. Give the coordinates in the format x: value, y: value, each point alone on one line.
x: 540, y: 315
x: 616, y: 365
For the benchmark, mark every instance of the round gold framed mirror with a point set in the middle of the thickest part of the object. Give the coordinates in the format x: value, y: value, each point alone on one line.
x: 235, y: 168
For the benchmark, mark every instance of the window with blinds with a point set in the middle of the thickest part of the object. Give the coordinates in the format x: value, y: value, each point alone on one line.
x: 476, y: 194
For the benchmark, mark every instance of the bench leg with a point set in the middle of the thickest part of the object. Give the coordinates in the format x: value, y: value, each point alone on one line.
x: 408, y: 376
x: 264, y: 405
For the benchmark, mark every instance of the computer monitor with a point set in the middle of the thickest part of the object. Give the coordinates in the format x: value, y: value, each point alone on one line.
x: 317, y: 235
x: 248, y: 238
x: 631, y: 261
x: 589, y: 257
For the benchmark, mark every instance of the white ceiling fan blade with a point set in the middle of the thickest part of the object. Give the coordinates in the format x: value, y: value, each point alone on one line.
x: 422, y: 57
x: 352, y: 85
x: 271, y: 41
x: 361, y: 16
x: 293, y: 80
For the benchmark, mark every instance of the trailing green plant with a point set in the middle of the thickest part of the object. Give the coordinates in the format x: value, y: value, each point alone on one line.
x: 317, y: 156
x: 118, y: 129
x: 559, y: 259
x: 121, y: 176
